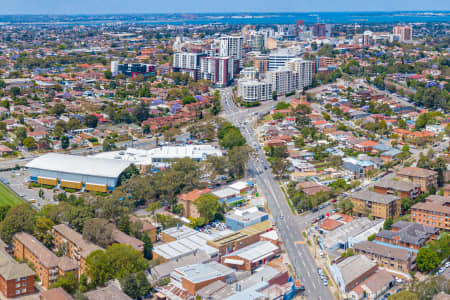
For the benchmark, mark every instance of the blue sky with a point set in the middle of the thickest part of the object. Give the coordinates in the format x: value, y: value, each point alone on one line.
x: 198, y: 6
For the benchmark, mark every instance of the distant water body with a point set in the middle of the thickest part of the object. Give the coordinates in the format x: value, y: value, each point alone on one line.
x: 235, y: 18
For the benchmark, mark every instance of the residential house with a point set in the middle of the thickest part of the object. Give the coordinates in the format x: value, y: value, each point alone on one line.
x: 373, y: 287
x: 54, y: 294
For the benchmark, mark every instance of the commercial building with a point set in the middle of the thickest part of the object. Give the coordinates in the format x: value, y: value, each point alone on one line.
x: 319, y: 30
x: 240, y: 239
x: 373, y: 287
x: 48, y: 266
x: 375, y: 204
x: 76, y: 172
x: 194, y: 277
x: 401, y: 188
x: 133, y: 70
x: 350, y: 233
x: 351, y: 271
x: 161, y: 157
x: 425, y: 178
x: 304, y: 69
x: 16, y: 279
x: 188, y: 243
x: 407, y: 235
x: 252, y: 91
x: 76, y: 247
x: 217, y: 69
x: 435, y: 211
x: 396, y: 259
x: 251, y: 257
x: 283, y: 80
x: 404, y: 32
x: 241, y: 218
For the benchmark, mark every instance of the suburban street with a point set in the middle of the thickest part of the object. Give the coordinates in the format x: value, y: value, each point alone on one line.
x: 289, y: 226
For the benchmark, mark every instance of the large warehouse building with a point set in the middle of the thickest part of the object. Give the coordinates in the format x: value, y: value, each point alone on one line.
x: 77, y: 172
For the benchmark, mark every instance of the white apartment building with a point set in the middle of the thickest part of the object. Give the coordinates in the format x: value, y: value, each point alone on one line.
x: 231, y: 45
x: 304, y: 69
x: 114, y: 67
x: 279, y: 58
x: 254, y: 90
x: 404, y: 32
x: 186, y: 60
x: 283, y: 80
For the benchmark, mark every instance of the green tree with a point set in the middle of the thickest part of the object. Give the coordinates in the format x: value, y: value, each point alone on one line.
x: 21, y: 134
x: 58, y: 109
x: 98, y: 231
x: 148, y: 246
x: 136, y: 285
x: 65, y: 142
x: 403, y: 295
x: 90, y: 121
x: 19, y: 218
x: 140, y: 112
x: 388, y: 224
x: 208, y: 206
x: 282, y: 105
x: 68, y: 282
x: 29, y: 143
x: 427, y: 259
x: 108, y: 145
x: 124, y: 223
x: 278, y: 116
x: 117, y: 261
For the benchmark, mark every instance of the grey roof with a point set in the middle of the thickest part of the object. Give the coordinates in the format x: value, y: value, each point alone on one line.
x: 203, y: 272
x: 378, y: 281
x: 382, y: 250
x: 381, y: 147
x: 354, y: 266
x: 163, y: 270
x: 391, y: 153
x: 79, y: 165
x: 413, y: 233
x: 256, y: 251
x: 11, y: 269
x: 107, y: 293
x: 217, y: 290
x: 374, y: 197
x: 398, y: 185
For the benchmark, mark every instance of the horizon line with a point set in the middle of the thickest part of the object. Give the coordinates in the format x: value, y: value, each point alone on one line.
x: 221, y: 12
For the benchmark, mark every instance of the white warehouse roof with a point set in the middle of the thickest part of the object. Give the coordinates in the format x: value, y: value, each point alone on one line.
x: 79, y: 165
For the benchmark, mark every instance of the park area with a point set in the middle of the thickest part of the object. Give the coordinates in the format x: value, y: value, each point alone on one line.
x: 8, y: 197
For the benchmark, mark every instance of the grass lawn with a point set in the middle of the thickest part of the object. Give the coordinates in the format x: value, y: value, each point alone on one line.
x: 8, y: 197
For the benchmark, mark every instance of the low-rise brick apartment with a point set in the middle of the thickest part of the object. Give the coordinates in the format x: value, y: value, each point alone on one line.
x: 16, y: 279
x: 378, y: 205
x: 425, y: 178
x: 48, y: 266
x: 76, y: 247
x: 435, y: 211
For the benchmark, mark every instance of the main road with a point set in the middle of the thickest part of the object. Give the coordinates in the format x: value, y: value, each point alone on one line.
x: 289, y: 226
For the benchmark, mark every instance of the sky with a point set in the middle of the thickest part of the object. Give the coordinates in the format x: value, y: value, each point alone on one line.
x: 201, y: 6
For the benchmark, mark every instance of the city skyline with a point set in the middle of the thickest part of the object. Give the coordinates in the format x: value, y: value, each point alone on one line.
x: 53, y: 7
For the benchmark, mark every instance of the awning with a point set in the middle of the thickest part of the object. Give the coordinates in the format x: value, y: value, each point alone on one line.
x: 233, y: 261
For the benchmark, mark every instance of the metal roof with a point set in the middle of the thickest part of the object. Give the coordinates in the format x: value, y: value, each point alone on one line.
x: 79, y: 165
